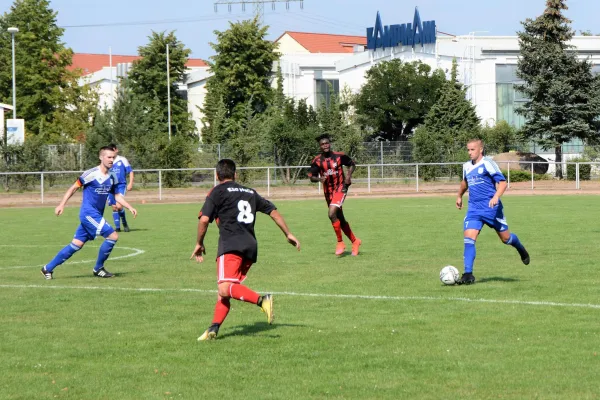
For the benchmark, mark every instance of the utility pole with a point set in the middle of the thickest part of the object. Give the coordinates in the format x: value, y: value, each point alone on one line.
x: 258, y: 6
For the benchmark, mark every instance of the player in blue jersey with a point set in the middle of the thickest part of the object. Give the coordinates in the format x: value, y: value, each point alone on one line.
x: 121, y: 169
x: 97, y: 183
x: 486, y: 183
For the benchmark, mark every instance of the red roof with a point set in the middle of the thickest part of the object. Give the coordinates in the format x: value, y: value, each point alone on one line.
x: 91, y: 63
x: 326, y: 43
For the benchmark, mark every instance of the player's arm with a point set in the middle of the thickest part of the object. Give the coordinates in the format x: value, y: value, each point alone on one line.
x: 315, y: 174
x: 278, y: 219
x: 350, y: 167
x: 461, y: 191
x: 68, y: 194
x: 199, y: 250
x: 500, y: 189
x: 121, y: 200
x: 130, y: 184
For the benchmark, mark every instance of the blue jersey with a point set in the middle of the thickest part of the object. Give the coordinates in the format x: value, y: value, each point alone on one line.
x: 121, y: 168
x: 481, y: 179
x: 96, y: 187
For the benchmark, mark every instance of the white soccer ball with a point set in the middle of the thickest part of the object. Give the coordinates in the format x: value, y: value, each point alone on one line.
x: 449, y: 275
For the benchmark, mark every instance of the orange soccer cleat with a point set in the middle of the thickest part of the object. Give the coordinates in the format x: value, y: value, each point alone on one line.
x: 355, y: 245
x: 340, y: 248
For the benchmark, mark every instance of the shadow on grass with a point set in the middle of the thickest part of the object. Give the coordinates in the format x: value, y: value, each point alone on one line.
x: 252, y: 329
x: 116, y: 275
x: 497, y: 279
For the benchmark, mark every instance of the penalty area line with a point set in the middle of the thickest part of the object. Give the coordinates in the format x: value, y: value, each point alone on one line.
x: 338, y: 296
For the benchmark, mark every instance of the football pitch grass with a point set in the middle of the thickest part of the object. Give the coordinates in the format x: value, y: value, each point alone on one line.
x: 377, y: 326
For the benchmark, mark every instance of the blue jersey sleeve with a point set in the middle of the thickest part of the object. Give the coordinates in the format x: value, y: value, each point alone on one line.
x: 493, y: 170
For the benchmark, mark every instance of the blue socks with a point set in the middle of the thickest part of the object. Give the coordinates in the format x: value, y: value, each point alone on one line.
x: 117, y: 219
x: 469, y: 255
x: 62, y: 256
x: 104, y: 252
x: 122, y: 216
x: 514, y: 241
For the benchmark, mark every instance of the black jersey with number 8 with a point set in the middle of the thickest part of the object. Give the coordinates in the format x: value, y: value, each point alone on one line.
x: 234, y: 207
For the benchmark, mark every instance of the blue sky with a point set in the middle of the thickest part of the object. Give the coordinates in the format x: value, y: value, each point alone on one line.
x: 127, y: 23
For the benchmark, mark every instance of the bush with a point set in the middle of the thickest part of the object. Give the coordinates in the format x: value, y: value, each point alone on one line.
x: 585, y: 170
x: 518, y: 175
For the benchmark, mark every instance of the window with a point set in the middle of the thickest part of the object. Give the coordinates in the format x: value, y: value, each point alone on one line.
x: 325, y: 89
x: 507, y: 98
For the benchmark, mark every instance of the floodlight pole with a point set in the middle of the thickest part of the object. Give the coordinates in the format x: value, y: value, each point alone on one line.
x: 13, y: 30
x: 168, y: 93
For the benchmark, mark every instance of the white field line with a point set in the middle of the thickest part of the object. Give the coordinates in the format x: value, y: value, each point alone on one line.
x: 337, y: 296
x: 135, y: 252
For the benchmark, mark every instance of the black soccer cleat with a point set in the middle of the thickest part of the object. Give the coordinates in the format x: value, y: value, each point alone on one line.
x: 125, y: 228
x: 118, y: 230
x: 102, y: 273
x: 47, y: 274
x: 466, y: 279
x: 524, y: 256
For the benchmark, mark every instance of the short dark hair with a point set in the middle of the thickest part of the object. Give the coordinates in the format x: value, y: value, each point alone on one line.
x: 105, y: 148
x: 322, y: 136
x: 225, y: 169
x: 112, y: 146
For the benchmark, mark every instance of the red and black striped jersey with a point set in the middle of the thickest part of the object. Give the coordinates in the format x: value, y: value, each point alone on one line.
x: 331, y: 167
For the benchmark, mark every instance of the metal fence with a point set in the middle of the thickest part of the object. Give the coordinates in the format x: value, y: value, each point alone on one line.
x: 383, y: 179
x: 72, y: 156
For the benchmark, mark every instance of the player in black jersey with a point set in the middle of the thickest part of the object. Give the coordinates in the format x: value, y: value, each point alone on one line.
x: 234, y: 208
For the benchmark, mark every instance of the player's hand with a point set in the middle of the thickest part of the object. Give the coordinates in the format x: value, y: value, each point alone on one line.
x: 58, y: 210
x: 293, y: 241
x: 129, y: 187
x: 133, y: 211
x: 494, y: 201
x: 198, y: 253
x: 459, y: 203
x: 323, y: 178
x: 345, y: 187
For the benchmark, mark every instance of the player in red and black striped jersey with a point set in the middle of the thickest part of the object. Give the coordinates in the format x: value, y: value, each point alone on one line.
x: 327, y: 168
x: 234, y: 208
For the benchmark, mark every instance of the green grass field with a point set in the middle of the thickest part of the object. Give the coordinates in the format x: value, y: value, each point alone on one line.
x: 377, y: 326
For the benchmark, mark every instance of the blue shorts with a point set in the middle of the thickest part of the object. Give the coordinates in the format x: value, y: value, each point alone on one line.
x: 495, y: 221
x: 90, y: 227
x: 120, y: 188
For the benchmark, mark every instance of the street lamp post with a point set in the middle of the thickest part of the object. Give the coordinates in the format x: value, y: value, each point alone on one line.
x: 12, y: 30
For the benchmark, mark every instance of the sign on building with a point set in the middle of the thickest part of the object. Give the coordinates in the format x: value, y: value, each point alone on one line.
x: 409, y: 34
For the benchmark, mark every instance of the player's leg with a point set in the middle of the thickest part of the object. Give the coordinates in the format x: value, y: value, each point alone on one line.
x: 511, y: 239
x: 115, y: 211
x: 221, y: 310
x: 110, y: 239
x: 231, y: 272
x: 471, y: 227
x: 122, y: 214
x: 66, y: 252
x: 334, y: 206
x: 356, y: 242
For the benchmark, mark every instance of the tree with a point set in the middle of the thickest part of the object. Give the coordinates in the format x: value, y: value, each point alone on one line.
x: 242, y: 69
x: 148, y: 80
x: 449, y: 124
x: 46, y: 89
x: 563, y: 98
x: 396, y: 98
x: 499, y: 138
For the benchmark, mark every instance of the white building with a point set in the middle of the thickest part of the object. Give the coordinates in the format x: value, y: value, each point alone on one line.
x: 313, y: 64
x: 308, y: 64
